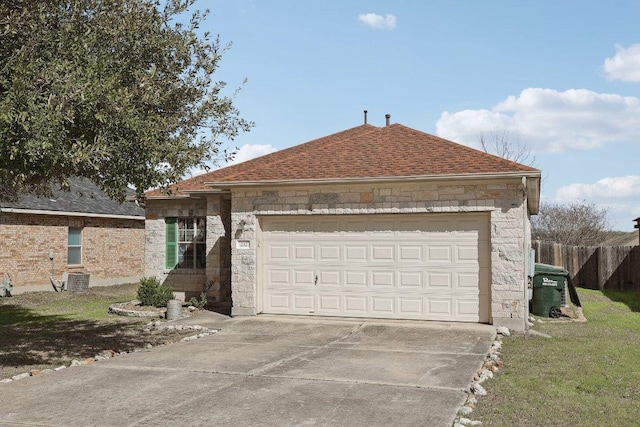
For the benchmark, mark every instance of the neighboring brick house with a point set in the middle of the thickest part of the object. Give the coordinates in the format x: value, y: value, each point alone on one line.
x: 83, y: 229
x: 385, y: 222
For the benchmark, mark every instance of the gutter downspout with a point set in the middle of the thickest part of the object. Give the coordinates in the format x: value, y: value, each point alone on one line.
x: 525, y: 252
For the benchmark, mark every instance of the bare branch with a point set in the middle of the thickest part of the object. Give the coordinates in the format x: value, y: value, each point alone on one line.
x: 501, y: 143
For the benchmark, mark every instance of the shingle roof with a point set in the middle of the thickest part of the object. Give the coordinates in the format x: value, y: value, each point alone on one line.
x: 83, y: 197
x: 365, y: 151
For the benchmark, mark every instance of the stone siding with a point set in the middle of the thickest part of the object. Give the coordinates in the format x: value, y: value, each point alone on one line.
x: 504, y: 199
x: 185, y: 282
x: 112, y: 249
x: 233, y: 228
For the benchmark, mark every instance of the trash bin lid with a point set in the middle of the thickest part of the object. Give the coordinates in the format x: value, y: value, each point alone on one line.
x: 550, y: 269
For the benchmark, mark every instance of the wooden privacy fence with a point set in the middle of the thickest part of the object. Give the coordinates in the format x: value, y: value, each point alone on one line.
x: 595, y: 267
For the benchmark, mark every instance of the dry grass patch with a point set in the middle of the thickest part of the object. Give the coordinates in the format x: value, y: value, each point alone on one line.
x: 42, y: 330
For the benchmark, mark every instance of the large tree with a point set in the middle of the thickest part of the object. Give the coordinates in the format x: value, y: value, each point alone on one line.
x: 577, y: 224
x: 118, y: 91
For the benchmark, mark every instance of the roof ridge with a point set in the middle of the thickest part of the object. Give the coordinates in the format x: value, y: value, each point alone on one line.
x: 364, y: 151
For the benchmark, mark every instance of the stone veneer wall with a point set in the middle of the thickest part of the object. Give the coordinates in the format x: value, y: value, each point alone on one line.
x: 112, y: 249
x: 188, y: 283
x: 504, y: 199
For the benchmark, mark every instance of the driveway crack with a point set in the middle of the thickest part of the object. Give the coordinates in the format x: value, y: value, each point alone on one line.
x: 263, y: 369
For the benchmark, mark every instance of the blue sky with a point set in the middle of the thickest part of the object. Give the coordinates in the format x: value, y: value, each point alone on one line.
x: 561, y: 77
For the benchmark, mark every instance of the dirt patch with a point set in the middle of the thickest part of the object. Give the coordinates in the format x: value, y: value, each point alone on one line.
x: 42, y: 330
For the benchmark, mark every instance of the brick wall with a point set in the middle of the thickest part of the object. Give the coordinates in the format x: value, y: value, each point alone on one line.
x: 112, y: 249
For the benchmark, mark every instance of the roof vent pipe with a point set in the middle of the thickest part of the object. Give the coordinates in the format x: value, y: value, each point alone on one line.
x: 388, y: 117
x: 365, y: 117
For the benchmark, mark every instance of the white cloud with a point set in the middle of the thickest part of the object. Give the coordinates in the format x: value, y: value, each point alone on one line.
x: 625, y: 65
x: 549, y: 120
x: 378, y: 22
x: 620, y: 187
x: 248, y: 152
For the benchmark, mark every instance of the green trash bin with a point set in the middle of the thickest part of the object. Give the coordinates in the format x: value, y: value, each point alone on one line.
x: 548, y: 287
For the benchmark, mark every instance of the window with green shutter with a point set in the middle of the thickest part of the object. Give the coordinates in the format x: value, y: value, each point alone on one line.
x: 186, y: 243
x: 171, y: 243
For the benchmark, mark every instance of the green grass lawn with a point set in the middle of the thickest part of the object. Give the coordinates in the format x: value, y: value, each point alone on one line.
x: 587, y: 374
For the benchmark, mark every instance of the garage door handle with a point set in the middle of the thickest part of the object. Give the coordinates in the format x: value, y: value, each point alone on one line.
x: 316, y: 281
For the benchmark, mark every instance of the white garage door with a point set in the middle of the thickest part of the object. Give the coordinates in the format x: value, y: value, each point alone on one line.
x: 404, y: 266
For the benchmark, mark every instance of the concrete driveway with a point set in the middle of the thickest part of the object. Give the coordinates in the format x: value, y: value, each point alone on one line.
x: 267, y: 370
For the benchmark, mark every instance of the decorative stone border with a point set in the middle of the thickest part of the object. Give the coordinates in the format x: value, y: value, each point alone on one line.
x: 108, y: 354
x: 120, y: 311
x: 492, y: 364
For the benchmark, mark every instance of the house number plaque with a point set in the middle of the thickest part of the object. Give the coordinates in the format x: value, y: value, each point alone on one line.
x: 243, y: 244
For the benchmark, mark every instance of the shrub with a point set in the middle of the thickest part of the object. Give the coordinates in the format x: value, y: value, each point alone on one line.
x: 198, y: 303
x: 151, y: 292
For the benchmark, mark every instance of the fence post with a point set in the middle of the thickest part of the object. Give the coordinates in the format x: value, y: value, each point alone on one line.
x: 557, y: 254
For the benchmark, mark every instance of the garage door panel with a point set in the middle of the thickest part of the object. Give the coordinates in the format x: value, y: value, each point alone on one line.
x: 382, y: 253
x: 440, y: 306
x: 303, y: 302
x: 439, y: 253
x: 304, y: 252
x: 382, y: 305
x: 468, y: 280
x: 382, y: 278
x: 329, y: 304
x: 356, y: 253
x: 330, y: 253
x: 278, y: 252
x: 329, y: 278
x: 440, y: 280
x: 279, y: 302
x: 410, y: 253
x: 279, y: 277
x: 420, y: 266
x: 355, y: 278
x: 411, y: 307
x: 304, y: 277
x: 410, y: 279
x: 355, y: 305
x: 467, y: 307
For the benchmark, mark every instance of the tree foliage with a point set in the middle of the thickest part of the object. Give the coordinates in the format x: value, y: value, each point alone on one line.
x: 502, y: 144
x: 118, y: 91
x: 576, y: 224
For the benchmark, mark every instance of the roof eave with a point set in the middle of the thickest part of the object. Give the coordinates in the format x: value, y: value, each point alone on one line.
x: 364, y: 180
x: 70, y: 213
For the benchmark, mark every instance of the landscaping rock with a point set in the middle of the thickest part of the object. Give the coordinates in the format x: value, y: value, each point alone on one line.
x: 469, y: 423
x: 485, y: 374
x: 503, y: 330
x: 477, y: 389
x: 465, y: 410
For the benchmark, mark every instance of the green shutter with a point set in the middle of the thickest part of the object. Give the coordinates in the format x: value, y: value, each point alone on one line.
x: 171, y: 243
